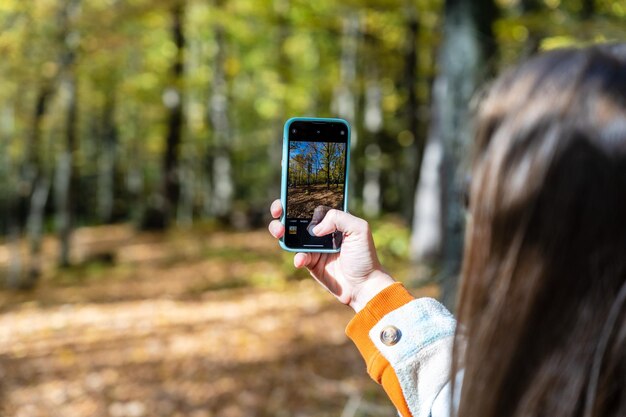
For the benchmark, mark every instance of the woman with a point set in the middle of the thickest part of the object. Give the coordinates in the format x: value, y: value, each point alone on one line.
x: 542, y: 303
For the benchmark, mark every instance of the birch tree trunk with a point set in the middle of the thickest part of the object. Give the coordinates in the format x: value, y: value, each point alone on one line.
x: 39, y: 186
x: 373, y: 123
x: 223, y: 185
x: 63, y: 186
x: 34, y: 227
x: 7, y: 183
x: 344, y: 100
x: 283, y: 68
x: 427, y: 229
x: 464, y: 59
x: 66, y: 180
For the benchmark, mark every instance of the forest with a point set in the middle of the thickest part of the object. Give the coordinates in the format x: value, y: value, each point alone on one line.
x: 316, y: 177
x: 315, y: 163
x: 140, y: 147
x: 169, y: 112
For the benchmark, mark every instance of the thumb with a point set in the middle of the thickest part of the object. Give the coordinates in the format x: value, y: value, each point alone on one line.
x: 338, y: 220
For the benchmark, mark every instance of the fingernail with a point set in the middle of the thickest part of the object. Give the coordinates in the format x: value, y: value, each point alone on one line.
x: 316, y: 230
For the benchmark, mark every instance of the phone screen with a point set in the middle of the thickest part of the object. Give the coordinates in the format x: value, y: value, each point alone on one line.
x: 316, y: 181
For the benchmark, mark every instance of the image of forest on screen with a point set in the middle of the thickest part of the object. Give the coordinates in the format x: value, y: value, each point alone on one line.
x: 316, y: 177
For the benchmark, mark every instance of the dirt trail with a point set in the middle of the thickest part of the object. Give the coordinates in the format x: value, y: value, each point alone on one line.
x: 303, y: 199
x: 260, y: 353
x: 164, y: 336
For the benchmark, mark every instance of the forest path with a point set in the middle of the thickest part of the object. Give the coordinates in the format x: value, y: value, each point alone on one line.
x: 184, y: 324
x: 304, y: 199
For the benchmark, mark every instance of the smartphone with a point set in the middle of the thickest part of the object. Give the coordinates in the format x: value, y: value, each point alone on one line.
x: 315, y: 167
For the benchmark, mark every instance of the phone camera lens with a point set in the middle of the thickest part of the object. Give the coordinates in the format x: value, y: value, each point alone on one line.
x: 293, y: 130
x: 343, y: 132
x: 318, y: 132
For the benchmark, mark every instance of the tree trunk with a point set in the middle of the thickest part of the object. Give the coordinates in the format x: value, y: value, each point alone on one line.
x: 134, y: 177
x: 427, y: 235
x: 206, y: 183
x: 9, y: 202
x: 39, y: 188
x: 328, y: 156
x: 66, y: 181
x: 193, y: 173
x: 184, y: 213
x: 344, y: 100
x: 465, y: 54
x: 106, y: 161
x: 63, y: 199
x: 373, y: 125
x: 588, y: 9
x: 69, y: 173
x: 7, y: 176
x: 14, y: 273
x: 172, y: 98
x: 223, y: 185
x: 413, y: 154
x: 35, y: 227
x: 283, y: 68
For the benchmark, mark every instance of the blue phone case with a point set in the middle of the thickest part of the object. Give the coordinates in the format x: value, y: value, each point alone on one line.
x: 285, y: 162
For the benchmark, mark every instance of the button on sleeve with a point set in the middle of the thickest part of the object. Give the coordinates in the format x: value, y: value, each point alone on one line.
x: 390, y: 335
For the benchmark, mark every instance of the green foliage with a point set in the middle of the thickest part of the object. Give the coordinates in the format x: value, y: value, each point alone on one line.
x: 392, y: 240
x: 282, y: 58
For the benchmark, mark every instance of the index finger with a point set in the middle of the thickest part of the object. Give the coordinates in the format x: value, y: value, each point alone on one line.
x: 276, y: 209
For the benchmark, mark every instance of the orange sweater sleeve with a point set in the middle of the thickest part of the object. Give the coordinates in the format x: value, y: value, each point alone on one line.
x: 391, y: 298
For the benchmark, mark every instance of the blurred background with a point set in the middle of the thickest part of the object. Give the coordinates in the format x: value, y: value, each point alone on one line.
x: 139, y: 151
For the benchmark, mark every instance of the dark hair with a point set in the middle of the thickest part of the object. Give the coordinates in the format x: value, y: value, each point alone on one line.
x: 542, y: 304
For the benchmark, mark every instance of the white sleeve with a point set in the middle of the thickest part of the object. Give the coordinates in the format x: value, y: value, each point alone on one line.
x: 422, y: 354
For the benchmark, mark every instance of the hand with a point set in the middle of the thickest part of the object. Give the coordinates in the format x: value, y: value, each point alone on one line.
x: 353, y: 275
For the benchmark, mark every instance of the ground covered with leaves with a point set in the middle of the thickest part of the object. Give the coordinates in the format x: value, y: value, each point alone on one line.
x: 190, y: 323
x: 303, y: 199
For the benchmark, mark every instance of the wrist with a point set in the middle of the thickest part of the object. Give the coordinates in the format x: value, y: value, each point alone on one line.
x: 371, y: 287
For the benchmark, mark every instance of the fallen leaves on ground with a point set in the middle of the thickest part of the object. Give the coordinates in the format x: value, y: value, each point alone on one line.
x: 151, y: 335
